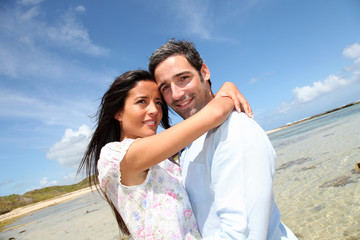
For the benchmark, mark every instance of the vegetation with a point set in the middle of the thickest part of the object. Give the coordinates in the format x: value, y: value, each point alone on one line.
x: 8, y: 203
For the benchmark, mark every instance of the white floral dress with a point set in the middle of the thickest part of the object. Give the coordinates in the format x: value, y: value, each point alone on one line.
x: 159, y: 208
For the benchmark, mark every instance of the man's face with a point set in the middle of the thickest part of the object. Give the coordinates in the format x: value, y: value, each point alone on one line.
x: 183, y: 89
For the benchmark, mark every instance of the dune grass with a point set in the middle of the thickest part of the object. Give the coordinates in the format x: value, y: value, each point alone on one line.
x: 11, y: 202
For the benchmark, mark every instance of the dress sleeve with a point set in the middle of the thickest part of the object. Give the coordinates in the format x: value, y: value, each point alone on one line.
x: 109, y: 162
x: 242, y: 176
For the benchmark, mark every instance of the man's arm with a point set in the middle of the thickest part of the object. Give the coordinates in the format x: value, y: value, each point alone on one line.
x: 242, y: 176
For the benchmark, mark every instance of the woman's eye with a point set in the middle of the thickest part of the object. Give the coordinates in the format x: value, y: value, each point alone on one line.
x: 141, y: 101
x: 159, y: 103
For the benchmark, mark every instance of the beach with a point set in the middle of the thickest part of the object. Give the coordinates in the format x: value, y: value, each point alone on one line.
x: 80, y: 215
x: 316, y: 187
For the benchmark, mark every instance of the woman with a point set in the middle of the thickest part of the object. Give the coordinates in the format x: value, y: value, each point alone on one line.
x: 125, y: 153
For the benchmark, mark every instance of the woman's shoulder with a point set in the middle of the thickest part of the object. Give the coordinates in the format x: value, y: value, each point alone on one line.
x: 114, y: 151
x: 116, y: 147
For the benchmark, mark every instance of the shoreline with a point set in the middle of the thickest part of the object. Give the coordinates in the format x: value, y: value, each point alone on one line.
x: 312, y: 117
x: 43, y: 204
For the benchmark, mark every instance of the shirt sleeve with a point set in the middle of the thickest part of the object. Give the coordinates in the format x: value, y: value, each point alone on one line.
x: 109, y: 162
x: 242, y: 180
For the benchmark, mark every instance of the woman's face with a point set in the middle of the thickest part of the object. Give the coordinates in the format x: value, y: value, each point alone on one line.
x: 142, y: 111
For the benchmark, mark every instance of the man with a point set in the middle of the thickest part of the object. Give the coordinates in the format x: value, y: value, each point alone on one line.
x: 228, y: 172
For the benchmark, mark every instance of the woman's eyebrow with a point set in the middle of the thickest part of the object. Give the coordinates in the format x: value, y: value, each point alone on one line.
x: 141, y: 97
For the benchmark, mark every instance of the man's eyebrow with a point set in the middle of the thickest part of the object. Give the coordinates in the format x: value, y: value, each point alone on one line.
x: 182, y: 73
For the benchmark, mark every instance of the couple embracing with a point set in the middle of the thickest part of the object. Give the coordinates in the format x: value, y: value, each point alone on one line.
x: 199, y: 179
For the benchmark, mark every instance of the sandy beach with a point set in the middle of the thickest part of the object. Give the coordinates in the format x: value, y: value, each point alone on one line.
x: 79, y: 215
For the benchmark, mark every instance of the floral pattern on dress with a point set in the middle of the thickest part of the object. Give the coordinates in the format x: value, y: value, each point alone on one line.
x: 159, y: 208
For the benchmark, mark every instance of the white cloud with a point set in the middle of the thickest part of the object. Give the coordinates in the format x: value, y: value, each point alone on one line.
x: 29, y: 46
x: 69, y: 151
x: 253, y: 80
x: 319, y: 88
x: 30, y: 14
x: 27, y: 22
x: 333, y: 82
x: 70, y: 177
x: 29, y: 2
x: 284, y: 107
x: 331, y: 85
x: 80, y: 8
x: 66, y: 112
x: 352, y: 52
x: 195, y: 16
x: 45, y: 183
x: 71, y: 33
x: 256, y: 79
x: 24, y: 60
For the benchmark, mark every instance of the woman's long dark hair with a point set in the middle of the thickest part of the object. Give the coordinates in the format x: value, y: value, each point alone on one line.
x: 108, y: 128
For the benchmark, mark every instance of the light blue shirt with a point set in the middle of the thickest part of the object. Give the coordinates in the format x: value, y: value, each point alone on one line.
x: 228, y: 173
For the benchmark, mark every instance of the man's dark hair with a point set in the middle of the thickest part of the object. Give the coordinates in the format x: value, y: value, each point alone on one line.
x: 173, y: 48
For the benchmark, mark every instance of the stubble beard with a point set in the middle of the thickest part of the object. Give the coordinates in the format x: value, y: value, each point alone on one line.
x: 197, y: 105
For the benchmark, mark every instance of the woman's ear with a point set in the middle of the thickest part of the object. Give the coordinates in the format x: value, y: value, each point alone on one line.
x: 118, y: 116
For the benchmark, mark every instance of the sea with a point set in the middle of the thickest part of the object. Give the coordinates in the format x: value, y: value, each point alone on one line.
x: 317, y: 181
x: 316, y: 188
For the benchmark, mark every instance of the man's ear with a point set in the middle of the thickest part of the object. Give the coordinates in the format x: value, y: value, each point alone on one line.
x: 205, y: 72
x: 118, y: 116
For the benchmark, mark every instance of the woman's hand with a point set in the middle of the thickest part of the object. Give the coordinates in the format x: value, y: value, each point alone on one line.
x: 229, y: 89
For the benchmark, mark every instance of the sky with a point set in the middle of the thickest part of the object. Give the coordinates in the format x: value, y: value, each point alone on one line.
x: 291, y: 59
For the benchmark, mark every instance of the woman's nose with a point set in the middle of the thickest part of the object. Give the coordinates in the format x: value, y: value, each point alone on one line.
x: 153, y: 108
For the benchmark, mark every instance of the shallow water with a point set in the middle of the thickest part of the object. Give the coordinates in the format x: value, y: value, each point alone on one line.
x: 316, y: 187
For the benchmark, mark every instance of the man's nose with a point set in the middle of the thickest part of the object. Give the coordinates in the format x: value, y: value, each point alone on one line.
x: 176, y: 92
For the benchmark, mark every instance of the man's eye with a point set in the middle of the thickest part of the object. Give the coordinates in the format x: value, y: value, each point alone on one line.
x: 163, y: 89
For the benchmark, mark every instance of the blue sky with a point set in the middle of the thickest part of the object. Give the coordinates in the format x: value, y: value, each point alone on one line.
x: 290, y: 58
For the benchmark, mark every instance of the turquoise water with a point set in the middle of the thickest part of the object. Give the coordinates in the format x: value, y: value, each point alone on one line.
x: 303, y: 129
x: 316, y: 185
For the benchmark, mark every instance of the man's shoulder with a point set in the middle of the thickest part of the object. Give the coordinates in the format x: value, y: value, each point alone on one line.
x: 241, y: 120
x: 239, y: 115
x: 240, y: 123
